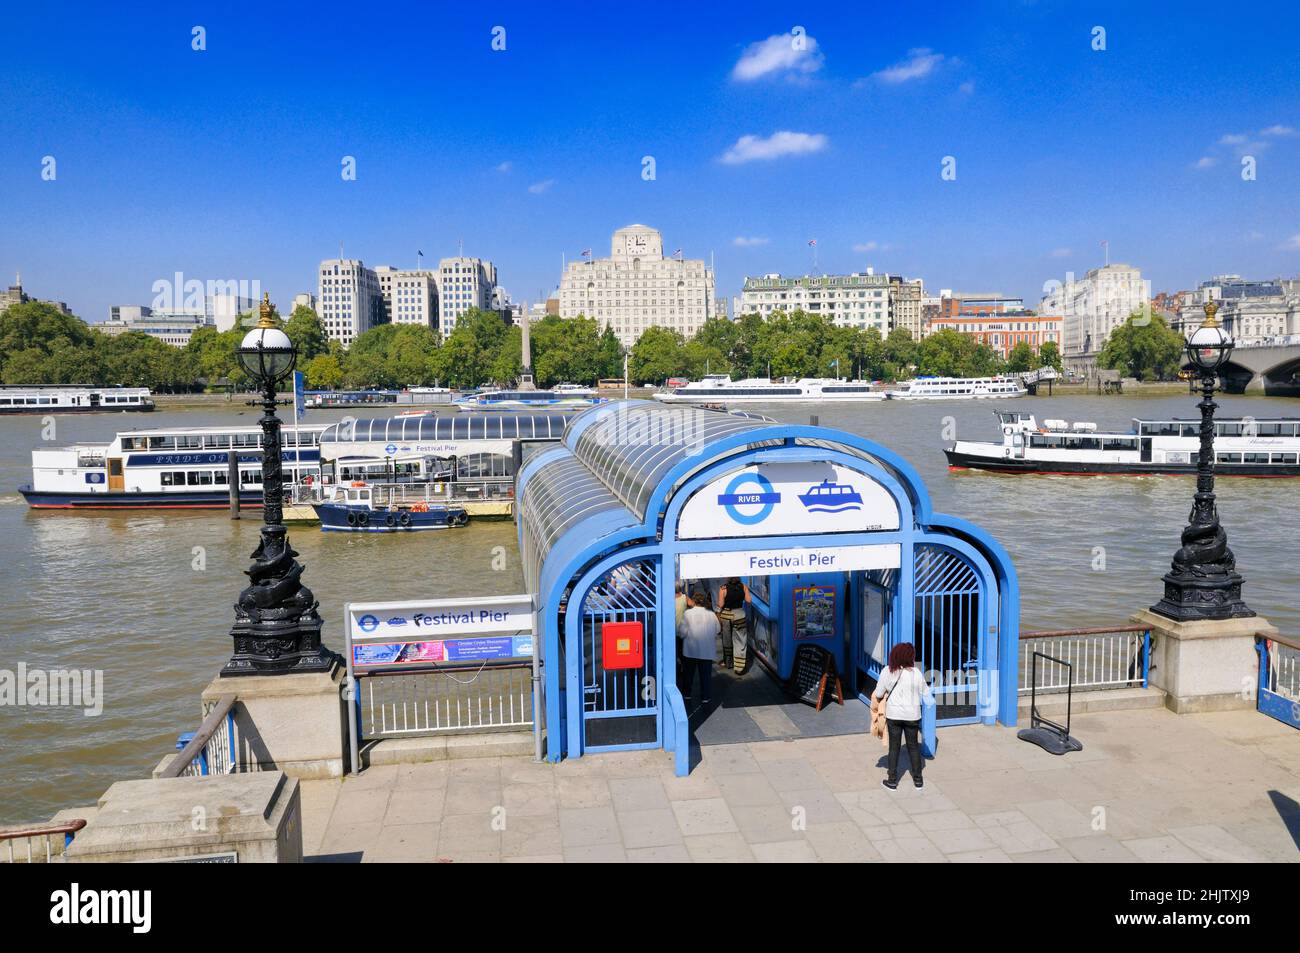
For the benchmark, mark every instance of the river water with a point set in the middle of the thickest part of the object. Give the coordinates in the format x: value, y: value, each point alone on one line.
x: 147, y: 597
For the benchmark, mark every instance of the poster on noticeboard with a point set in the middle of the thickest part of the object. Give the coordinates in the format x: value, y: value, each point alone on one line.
x: 814, y: 612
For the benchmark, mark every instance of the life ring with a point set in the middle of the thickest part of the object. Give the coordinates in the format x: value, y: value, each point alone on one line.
x: 420, y: 508
x: 390, y: 520
x: 352, y: 519
x: 363, y: 518
x: 358, y: 482
x: 405, y: 520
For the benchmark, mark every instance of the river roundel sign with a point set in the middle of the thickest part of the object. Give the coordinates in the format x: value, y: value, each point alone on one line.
x: 788, y: 499
x: 746, y: 506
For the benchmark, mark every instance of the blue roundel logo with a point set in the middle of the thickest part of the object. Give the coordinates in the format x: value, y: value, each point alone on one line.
x: 740, y: 503
x: 390, y: 449
x: 368, y: 623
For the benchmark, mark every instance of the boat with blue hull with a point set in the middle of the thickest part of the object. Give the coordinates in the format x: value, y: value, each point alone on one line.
x: 353, y: 510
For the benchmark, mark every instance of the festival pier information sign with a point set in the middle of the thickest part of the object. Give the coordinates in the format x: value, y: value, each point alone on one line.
x: 394, y: 635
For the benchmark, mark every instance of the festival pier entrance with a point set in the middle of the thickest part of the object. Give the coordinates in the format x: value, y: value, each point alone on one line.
x: 833, y: 534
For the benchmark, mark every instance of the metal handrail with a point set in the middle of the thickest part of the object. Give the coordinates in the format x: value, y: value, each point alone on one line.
x: 1288, y: 640
x: 1097, y: 630
x: 191, y: 752
x: 67, y: 829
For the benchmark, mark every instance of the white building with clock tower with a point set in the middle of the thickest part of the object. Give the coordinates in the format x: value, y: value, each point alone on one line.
x: 636, y: 287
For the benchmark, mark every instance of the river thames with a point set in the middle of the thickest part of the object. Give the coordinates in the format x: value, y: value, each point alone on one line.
x: 147, y: 597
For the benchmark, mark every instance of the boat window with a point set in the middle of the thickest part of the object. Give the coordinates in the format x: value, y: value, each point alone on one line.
x: 1284, y: 458
x: 220, y: 441
x: 1190, y: 430
x: 1230, y: 430
x: 1257, y: 458
x: 1228, y: 458
x: 166, y: 478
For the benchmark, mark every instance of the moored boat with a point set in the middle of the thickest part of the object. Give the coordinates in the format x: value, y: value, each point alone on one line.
x: 19, y: 399
x: 957, y: 388
x: 353, y: 509
x: 1243, y: 446
x: 814, y: 390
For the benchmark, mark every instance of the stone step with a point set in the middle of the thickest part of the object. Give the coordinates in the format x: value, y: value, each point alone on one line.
x: 497, y: 744
x: 1119, y: 699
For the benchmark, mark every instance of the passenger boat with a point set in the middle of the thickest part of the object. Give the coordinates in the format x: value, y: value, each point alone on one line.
x: 18, y: 399
x: 560, y: 397
x: 1242, y: 447
x: 353, y: 510
x: 720, y: 387
x: 179, y: 468
x: 958, y: 388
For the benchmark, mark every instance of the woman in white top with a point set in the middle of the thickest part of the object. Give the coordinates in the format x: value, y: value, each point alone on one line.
x: 905, y: 689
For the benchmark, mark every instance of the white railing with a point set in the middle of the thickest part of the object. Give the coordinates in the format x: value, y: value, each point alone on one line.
x: 1102, y: 658
x: 434, y: 702
x: 211, y: 749
x: 37, y: 844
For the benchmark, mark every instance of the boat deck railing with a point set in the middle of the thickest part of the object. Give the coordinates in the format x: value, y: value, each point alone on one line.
x: 397, y: 494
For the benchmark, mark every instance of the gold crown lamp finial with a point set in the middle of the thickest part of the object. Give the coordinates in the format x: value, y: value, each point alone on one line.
x: 1211, y: 308
x: 266, y: 321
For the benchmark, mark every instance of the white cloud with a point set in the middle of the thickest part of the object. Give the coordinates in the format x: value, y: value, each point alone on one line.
x: 966, y: 88
x: 1232, y: 139
x: 1061, y: 252
x: 1253, y: 236
x: 789, y: 53
x: 861, y: 247
x: 1280, y: 131
x: 741, y: 241
x: 778, y: 144
x: 920, y: 63
x: 505, y: 166
x: 1292, y: 243
x: 1205, y: 162
x: 537, y: 188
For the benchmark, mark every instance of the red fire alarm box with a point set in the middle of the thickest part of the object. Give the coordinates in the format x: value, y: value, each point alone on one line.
x: 623, y: 644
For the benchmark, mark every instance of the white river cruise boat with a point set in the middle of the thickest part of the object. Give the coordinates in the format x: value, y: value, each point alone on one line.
x: 18, y: 399
x: 188, y: 468
x: 714, y: 388
x: 958, y: 388
x: 1242, y: 447
x: 179, y: 468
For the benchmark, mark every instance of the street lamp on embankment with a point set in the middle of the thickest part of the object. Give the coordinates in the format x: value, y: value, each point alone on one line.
x: 277, y: 628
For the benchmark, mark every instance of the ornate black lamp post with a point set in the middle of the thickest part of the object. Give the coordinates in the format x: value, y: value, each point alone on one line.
x: 1203, y: 582
x: 277, y: 628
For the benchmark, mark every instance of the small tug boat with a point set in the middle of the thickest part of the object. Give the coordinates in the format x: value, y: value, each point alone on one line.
x: 353, y: 510
x: 1243, y: 446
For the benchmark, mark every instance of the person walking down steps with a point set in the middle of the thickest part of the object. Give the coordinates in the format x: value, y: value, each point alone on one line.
x: 734, y: 598
x: 903, y: 689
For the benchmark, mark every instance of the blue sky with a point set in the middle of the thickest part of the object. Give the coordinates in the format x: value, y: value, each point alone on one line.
x: 225, y: 163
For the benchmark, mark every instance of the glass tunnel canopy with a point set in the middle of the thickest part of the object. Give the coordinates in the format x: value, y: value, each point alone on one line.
x: 636, y: 486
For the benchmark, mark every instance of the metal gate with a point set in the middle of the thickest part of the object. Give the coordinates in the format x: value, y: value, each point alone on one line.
x: 949, y: 627
x: 620, y: 707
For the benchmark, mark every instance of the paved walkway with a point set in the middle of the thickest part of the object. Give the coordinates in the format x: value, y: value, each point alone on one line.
x: 1148, y: 786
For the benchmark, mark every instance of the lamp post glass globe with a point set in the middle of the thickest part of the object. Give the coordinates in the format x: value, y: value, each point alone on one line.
x: 267, y: 355
x: 1209, y: 348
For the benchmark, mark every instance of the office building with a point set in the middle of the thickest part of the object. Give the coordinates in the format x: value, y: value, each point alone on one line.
x: 1092, y: 307
x: 638, y: 287
x: 350, y: 300
x: 410, y: 295
x: 464, y: 283
x: 858, y: 300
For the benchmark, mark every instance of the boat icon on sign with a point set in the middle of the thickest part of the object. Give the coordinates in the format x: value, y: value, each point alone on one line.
x: 828, y: 497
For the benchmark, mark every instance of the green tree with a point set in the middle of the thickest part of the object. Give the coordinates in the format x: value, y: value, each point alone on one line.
x: 657, y: 355
x: 1021, y: 357
x: 1143, y: 347
x: 44, y: 330
x: 324, y: 372
x: 307, y: 333
x: 1049, y: 355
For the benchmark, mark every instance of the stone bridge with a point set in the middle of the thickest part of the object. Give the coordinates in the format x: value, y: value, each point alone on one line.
x: 1270, y: 369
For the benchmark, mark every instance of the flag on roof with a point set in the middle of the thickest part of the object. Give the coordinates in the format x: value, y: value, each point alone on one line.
x: 812, y: 241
